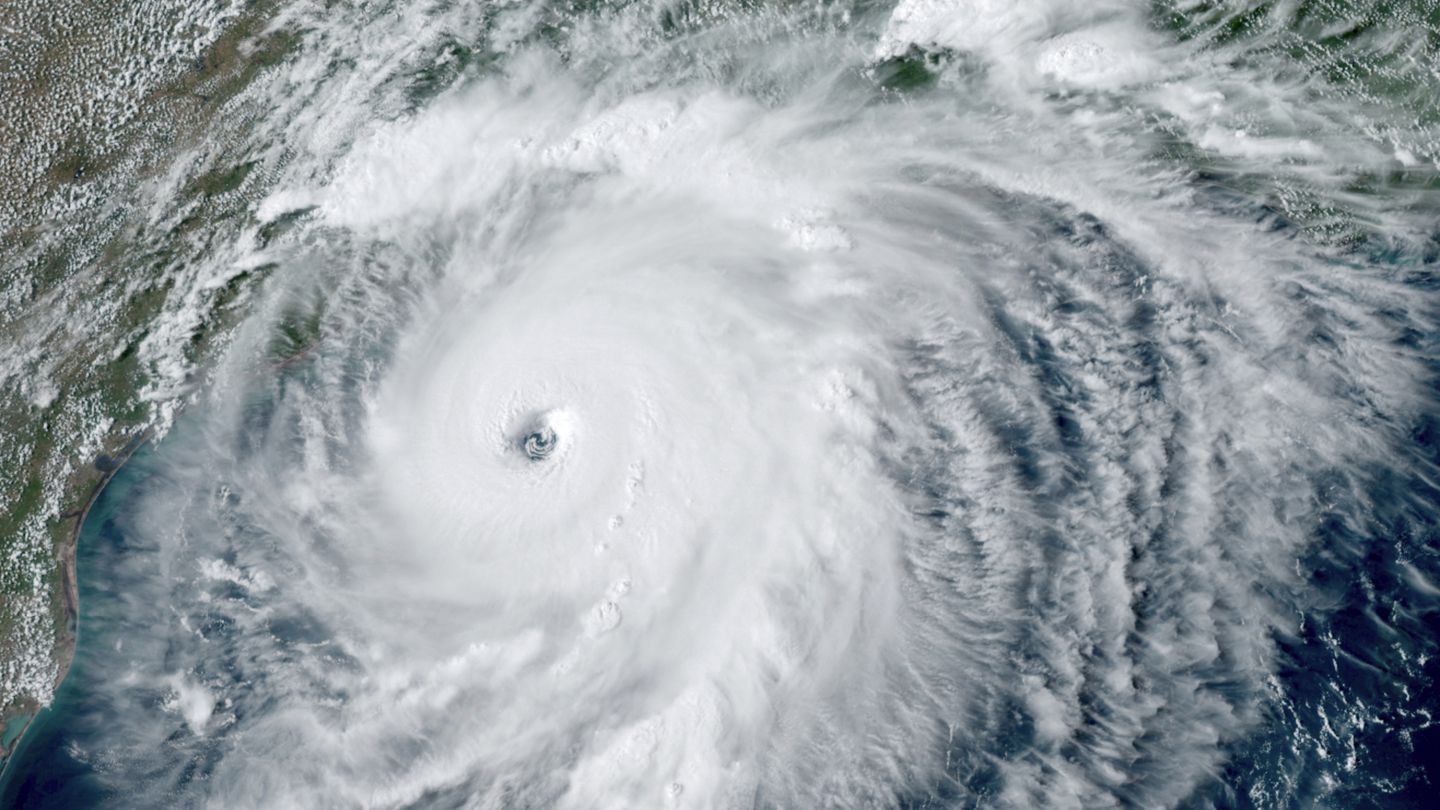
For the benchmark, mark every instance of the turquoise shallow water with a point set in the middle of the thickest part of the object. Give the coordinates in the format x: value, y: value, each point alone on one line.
x: 13, y: 729
x: 735, y: 406
x: 1346, y: 677
x: 44, y: 770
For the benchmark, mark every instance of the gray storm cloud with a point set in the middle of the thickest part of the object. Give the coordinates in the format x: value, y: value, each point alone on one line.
x: 722, y: 434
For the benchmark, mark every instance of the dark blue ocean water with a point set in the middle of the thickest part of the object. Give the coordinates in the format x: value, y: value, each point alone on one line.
x: 48, y: 769
x: 1351, y: 723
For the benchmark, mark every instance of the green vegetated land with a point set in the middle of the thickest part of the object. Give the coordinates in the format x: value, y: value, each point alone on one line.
x: 98, y: 100
x: 103, y: 103
x: 1380, y: 57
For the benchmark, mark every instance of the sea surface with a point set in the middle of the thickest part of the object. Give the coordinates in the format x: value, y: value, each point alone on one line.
x: 943, y: 404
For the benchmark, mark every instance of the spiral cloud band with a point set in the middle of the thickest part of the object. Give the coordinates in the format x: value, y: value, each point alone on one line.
x: 705, y: 420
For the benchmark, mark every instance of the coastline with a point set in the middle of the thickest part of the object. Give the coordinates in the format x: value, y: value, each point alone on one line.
x: 107, y: 465
x: 78, y: 152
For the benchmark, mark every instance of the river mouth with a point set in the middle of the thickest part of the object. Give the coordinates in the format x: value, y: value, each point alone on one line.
x: 929, y: 405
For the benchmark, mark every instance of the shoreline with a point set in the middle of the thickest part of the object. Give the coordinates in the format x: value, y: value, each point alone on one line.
x: 107, y: 465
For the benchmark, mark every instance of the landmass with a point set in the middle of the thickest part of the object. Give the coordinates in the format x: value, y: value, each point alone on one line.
x: 107, y: 329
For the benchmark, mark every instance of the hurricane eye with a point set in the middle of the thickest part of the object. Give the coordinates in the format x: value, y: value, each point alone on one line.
x: 539, y: 443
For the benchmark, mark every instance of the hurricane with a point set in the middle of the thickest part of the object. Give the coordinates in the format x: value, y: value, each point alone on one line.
x: 951, y: 404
